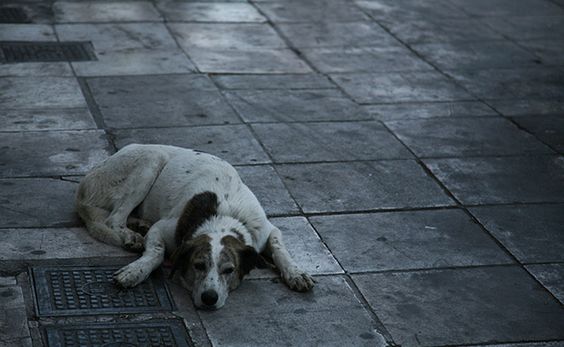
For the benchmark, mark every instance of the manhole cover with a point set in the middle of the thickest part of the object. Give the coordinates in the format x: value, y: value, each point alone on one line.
x: 26, y: 52
x: 13, y: 15
x: 64, y: 291
x: 142, y: 334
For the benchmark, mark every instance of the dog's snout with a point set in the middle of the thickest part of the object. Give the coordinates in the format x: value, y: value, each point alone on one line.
x: 209, y: 297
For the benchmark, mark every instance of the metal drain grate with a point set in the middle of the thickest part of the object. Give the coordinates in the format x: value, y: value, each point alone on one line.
x: 26, y: 52
x: 65, y: 291
x: 13, y: 15
x: 155, y: 333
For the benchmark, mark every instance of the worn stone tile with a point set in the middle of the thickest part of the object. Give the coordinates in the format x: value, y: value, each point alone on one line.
x: 94, y: 11
x: 532, y: 233
x: 458, y: 137
x: 46, y: 119
x: 359, y: 186
x: 30, y: 92
x: 305, y: 247
x: 209, y: 12
x: 234, y: 143
x: 27, y: 32
x: 59, y: 69
x: 476, y: 55
x: 549, y: 129
x: 268, y: 188
x: 225, y: 36
x: 291, y: 317
x: 294, y: 105
x: 463, y: 306
x: 306, y: 142
x: 421, y: 110
x: 13, y: 319
x: 504, y: 8
x: 304, y: 81
x: 21, y: 205
x: 530, y: 83
x: 551, y: 276
x: 550, y: 51
x: 527, y: 344
x: 118, y: 36
x: 502, y: 180
x: 7, y: 281
x: 528, y: 107
x: 407, y: 240
x: 400, y: 87
x: 330, y: 34
x: 160, y: 101
x: 49, y: 153
x: 528, y: 28
x: 369, y: 59
x: 405, y: 10
x: 311, y: 11
x: 255, y: 61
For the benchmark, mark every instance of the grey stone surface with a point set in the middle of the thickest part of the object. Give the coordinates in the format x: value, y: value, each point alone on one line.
x: 463, y: 306
x: 95, y: 11
x: 550, y: 51
x: 549, y: 129
x: 551, y: 276
x: 419, y: 110
x: 329, y: 34
x: 160, y: 101
x: 528, y: 28
x: 509, y: 8
x: 27, y: 32
x: 268, y: 188
x: 502, y: 180
x: 46, y: 119
x: 400, y: 87
x: 407, y: 10
x: 234, y: 143
x: 30, y: 92
x: 259, y: 106
x: 332, y: 141
x: 332, y: 187
x: 311, y: 11
x: 49, y: 153
x: 60, y: 69
x: 209, y: 12
x: 407, y: 240
x: 456, y: 137
x: 14, y: 330
x: 528, y: 107
x: 369, y: 59
x: 305, y: 81
x: 37, y: 202
x: 532, y: 233
x: 290, y: 317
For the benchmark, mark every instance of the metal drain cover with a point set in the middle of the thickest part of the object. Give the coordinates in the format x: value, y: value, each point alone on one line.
x: 27, y: 52
x: 153, y: 333
x: 66, y: 291
x: 13, y: 15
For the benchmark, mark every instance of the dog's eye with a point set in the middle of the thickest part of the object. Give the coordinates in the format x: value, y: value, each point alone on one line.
x: 200, y: 266
x: 228, y: 271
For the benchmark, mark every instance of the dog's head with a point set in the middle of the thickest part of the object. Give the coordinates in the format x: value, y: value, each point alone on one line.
x: 211, y: 256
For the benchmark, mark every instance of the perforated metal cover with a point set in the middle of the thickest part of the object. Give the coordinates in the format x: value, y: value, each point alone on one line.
x: 24, y: 52
x: 63, y: 291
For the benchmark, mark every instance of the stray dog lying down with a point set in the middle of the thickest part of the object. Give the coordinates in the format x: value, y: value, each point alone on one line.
x: 199, y: 213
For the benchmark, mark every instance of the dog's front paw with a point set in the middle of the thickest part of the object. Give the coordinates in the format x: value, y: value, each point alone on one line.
x: 130, y: 275
x: 298, y: 280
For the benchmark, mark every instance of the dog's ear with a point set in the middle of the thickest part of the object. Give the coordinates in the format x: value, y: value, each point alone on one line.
x: 197, y: 210
x: 250, y: 259
x: 180, y: 258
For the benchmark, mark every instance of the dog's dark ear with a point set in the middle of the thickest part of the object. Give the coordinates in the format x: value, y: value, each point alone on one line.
x: 180, y: 258
x: 201, y: 207
x: 250, y: 259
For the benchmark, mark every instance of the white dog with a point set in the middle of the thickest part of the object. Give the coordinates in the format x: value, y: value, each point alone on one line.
x: 199, y: 212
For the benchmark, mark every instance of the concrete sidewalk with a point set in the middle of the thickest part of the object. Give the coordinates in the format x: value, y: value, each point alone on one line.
x: 409, y: 150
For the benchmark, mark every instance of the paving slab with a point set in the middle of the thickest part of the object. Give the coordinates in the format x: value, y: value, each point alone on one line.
x: 27, y: 32
x: 513, y: 226
x: 504, y: 8
x: 234, y: 143
x: 550, y: 51
x: 331, y: 141
x: 46, y: 119
x: 14, y: 329
x: 459, y: 137
x: 551, y: 276
x: 21, y: 206
x: 289, y: 11
x: 269, y: 189
x: 521, y: 83
x: 529, y: 344
x: 502, y: 180
x: 329, y: 34
x: 407, y: 240
x: 304, y: 81
x: 423, y: 110
x: 528, y: 28
x: 364, y: 59
x: 210, y: 12
x: 160, y: 101
x: 549, y: 129
x: 528, y: 107
x: 94, y: 11
x: 258, y: 106
x: 30, y: 92
x: 291, y: 317
x: 403, y: 10
x: 463, y: 306
x: 400, y: 87
x: 358, y: 186
x: 59, y: 69
x: 49, y: 153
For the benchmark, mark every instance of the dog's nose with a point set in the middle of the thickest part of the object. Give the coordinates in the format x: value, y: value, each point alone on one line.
x: 209, y: 297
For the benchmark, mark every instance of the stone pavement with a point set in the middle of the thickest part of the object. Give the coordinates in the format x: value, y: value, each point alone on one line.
x: 409, y: 150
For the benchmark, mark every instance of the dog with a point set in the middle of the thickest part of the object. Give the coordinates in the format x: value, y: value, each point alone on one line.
x: 198, y: 212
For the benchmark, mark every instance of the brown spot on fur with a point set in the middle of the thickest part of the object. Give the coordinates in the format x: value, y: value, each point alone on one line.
x: 191, y: 251
x: 239, y: 235
x: 200, y: 208
x: 245, y: 257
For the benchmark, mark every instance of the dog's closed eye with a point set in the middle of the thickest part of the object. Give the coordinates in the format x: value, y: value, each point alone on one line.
x: 228, y: 270
x: 200, y: 266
